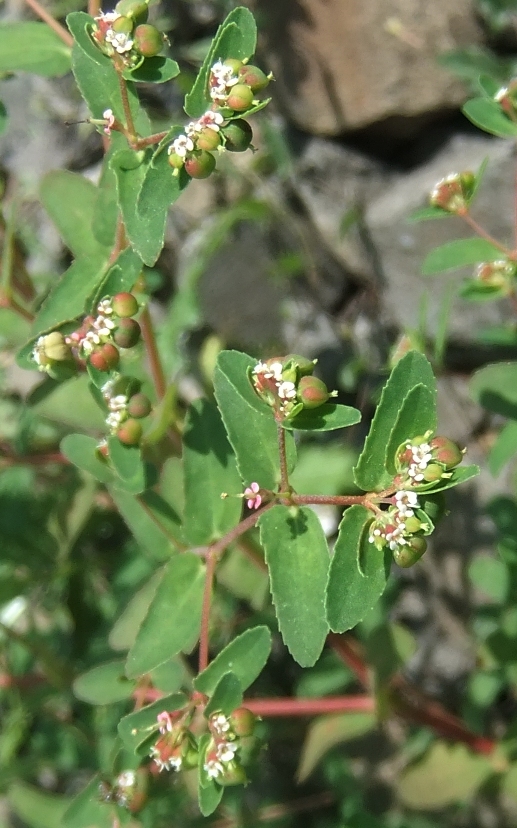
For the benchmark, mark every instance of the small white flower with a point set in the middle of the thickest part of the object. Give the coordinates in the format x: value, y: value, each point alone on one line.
x: 226, y: 751
x: 287, y: 390
x: 501, y: 93
x: 213, y: 769
x: 181, y: 145
x: 108, y: 17
x: 104, y: 307
x: 220, y: 723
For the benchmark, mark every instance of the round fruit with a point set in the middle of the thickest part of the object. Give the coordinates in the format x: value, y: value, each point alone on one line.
x: 176, y: 161
x: 238, y: 135
x: 147, y: 40
x: 139, y: 406
x: 208, y: 139
x: 200, y: 164
x: 127, y: 334
x: 122, y: 25
x: 234, y: 64
x: 243, y: 721
x: 253, y: 77
x: 130, y: 432
x: 446, y: 452
x: 105, y: 358
x: 240, y: 97
x: 312, y: 392
x: 410, y: 553
x: 124, y: 304
x: 135, y: 9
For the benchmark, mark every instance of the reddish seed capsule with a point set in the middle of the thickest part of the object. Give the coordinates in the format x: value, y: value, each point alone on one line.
x: 124, y: 304
x: 253, y: 77
x: 208, y: 139
x: 127, y: 334
x: 243, y: 721
x: 237, y: 135
x: 240, y: 97
x: 139, y: 406
x: 147, y: 40
x: 446, y: 452
x: 312, y: 392
x: 105, y: 358
x: 200, y: 164
x: 130, y: 432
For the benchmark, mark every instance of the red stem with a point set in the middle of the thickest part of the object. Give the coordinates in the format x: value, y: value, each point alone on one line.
x: 311, y: 707
x: 480, y: 231
x: 348, y: 651
x: 151, y: 347
x: 284, y: 475
x: 211, y: 562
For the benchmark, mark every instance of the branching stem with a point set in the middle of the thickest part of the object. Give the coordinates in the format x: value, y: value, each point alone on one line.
x: 480, y: 231
x: 211, y: 562
x: 153, y: 355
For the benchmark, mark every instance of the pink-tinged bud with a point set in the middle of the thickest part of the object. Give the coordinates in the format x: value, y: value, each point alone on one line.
x: 446, y: 451
x: 312, y: 392
x: 105, y: 358
x: 243, y: 721
x: 147, y: 40
x: 122, y: 25
x: 139, y: 406
x: 127, y: 334
x: 498, y: 274
x: 135, y: 9
x: 237, y: 135
x: 404, y: 457
x: 208, y: 139
x: 124, y: 304
x: 253, y: 77
x: 240, y: 98
x: 433, y: 473
x: 410, y: 553
x: 452, y: 193
x: 200, y: 164
x: 233, y: 774
x: 130, y: 432
x: 102, y: 452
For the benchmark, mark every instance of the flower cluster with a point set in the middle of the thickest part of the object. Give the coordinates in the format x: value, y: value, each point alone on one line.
x: 129, y: 790
x: 506, y: 96
x: 453, y: 193
x: 287, y: 385
x: 231, y: 86
x: 423, y: 462
x: 177, y: 747
x: 125, y: 34
x: 401, y: 528
x: 126, y: 406
x: 97, y: 338
x: 496, y: 277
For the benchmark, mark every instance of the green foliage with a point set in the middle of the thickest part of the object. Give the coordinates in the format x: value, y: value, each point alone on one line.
x: 32, y: 47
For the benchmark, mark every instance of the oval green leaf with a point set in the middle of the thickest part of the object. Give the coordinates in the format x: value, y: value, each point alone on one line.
x: 245, y: 657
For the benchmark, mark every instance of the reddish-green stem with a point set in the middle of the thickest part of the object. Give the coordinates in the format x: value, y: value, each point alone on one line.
x: 242, y: 527
x: 130, y: 125
x: 349, y: 651
x: 480, y: 231
x: 211, y: 562
x: 284, y: 475
x: 15, y: 306
x: 311, y: 707
x: 153, y: 355
x: 94, y: 7
x: 47, y: 18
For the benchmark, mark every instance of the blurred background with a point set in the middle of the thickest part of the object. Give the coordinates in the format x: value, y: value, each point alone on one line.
x: 305, y: 246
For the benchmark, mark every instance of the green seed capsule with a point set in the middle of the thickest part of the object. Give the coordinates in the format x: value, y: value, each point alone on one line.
x: 134, y: 9
x: 407, y: 555
x: 208, y: 139
x: 253, y: 77
x: 200, y: 164
x: 124, y: 304
x: 122, y: 25
x: 127, y: 334
x: 148, y: 40
x: 312, y: 392
x: 139, y: 406
x: 130, y: 432
x: 240, y: 97
x: 237, y: 135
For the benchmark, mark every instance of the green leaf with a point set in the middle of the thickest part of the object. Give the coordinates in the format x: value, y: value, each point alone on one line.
x: 358, y: 572
x: 328, y: 731
x: 504, y: 448
x: 426, y: 213
x: 210, y: 470
x: 137, y: 727
x: 417, y: 415
x: 125, y: 629
x: 476, y: 291
x: 298, y: 559
x: 412, y: 370
x: 327, y: 417
x: 495, y: 388
x: 488, y: 115
x: 227, y: 696
x: 236, y: 38
x: 249, y: 422
x: 491, y: 576
x: 86, y: 809
x: 460, y: 253
x: 128, y: 465
x: 146, y: 188
x: 153, y: 70
x: 36, y: 808
x: 67, y: 299
x: 174, y: 616
x: 104, y: 684
x: 69, y: 199
x: 154, y: 523
x: 245, y: 657
x: 447, y: 774
x: 81, y: 450
x: 459, y: 475
x: 33, y: 47
x: 120, y: 277
x: 209, y: 792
